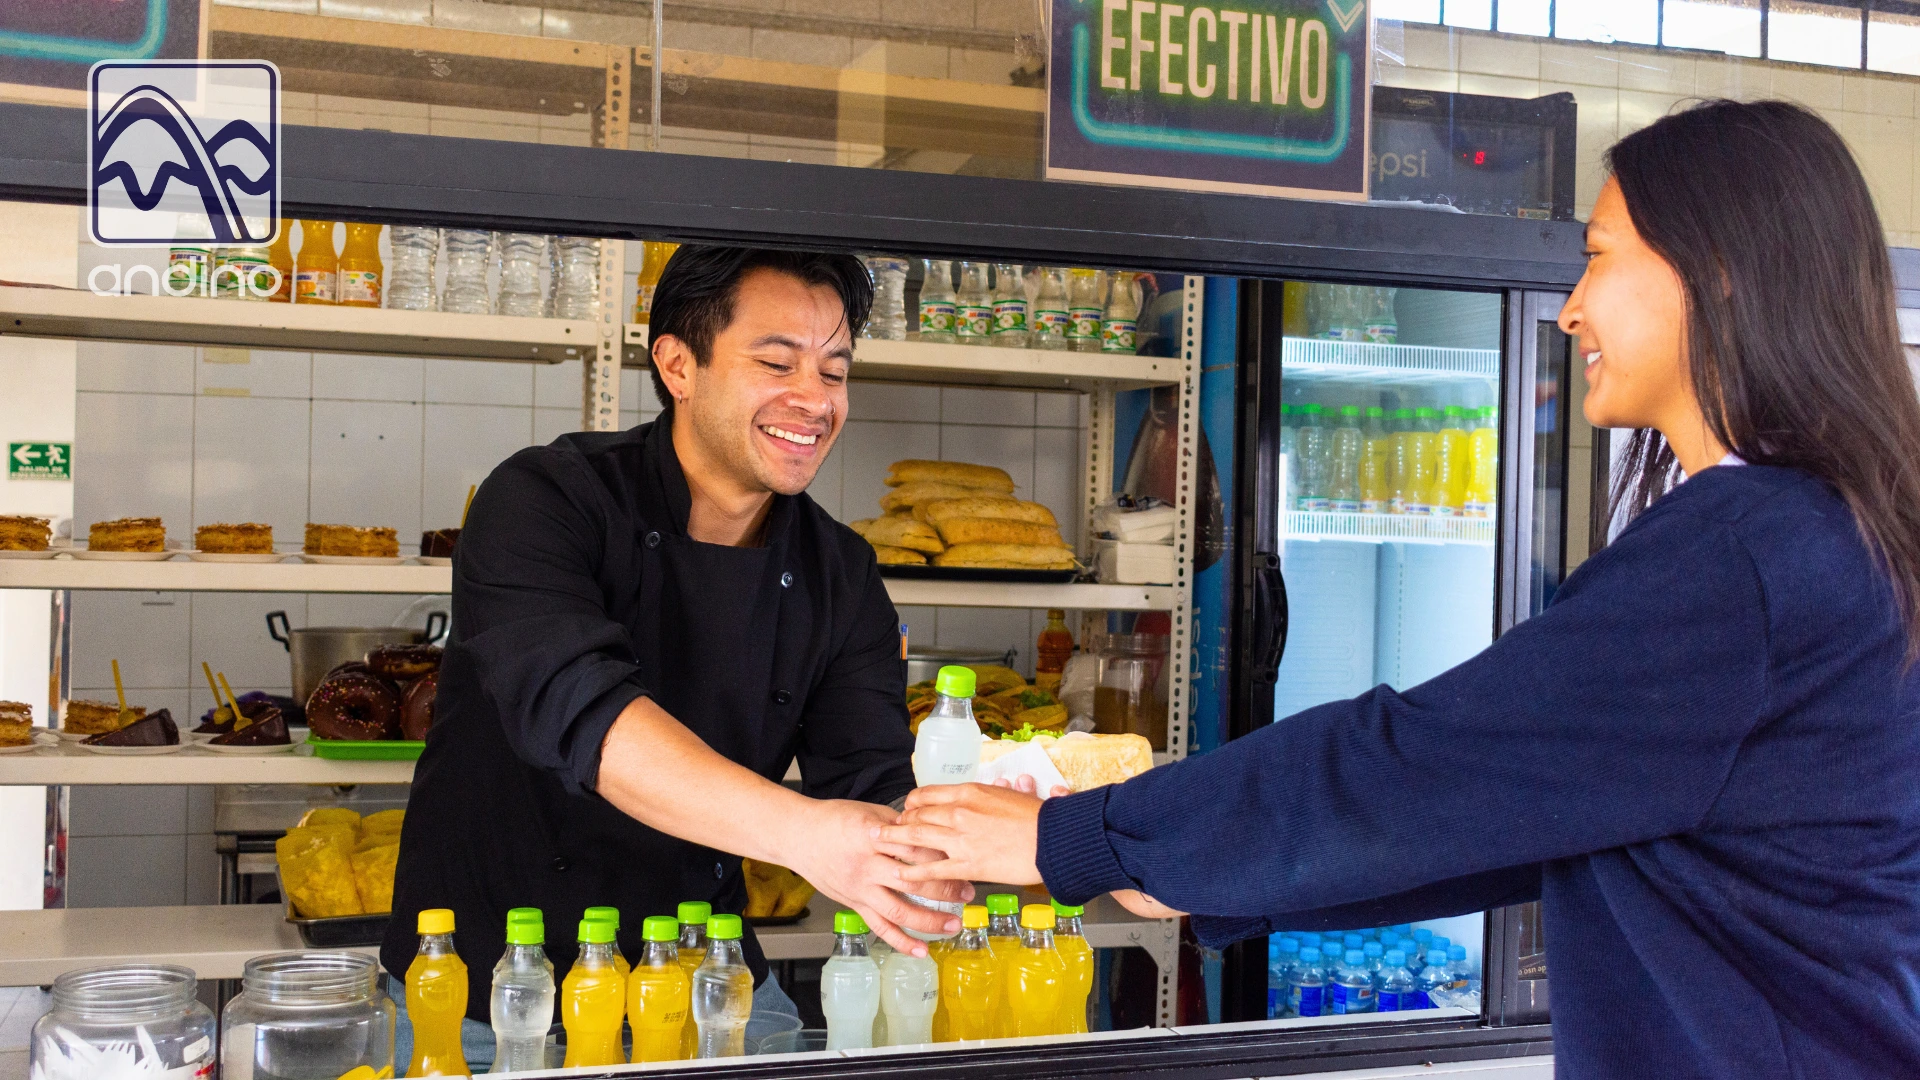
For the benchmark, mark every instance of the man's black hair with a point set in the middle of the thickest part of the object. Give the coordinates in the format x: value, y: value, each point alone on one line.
x: 694, y: 300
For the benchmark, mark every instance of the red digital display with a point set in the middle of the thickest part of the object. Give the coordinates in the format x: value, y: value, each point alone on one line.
x: 1479, y: 157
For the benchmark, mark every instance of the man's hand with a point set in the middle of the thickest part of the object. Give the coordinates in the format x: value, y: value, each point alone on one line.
x: 986, y: 834
x: 840, y: 858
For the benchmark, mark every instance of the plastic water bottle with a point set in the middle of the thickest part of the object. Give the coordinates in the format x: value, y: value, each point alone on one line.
x: 1436, y: 943
x: 888, y: 320
x: 937, y: 302
x: 1345, y: 448
x: 523, y: 995
x: 1352, y: 985
x: 1290, y: 450
x: 1310, y: 445
x: 909, y: 994
x: 1432, y: 976
x: 1351, y: 941
x: 723, y: 991
x: 947, y: 751
x: 1051, y: 317
x: 1375, y: 953
x: 1380, y: 325
x: 849, y: 985
x: 1120, y: 323
x: 1084, y: 305
x: 1459, y: 968
x: 1307, y: 985
x: 410, y: 271
x: 521, y: 256
x: 469, y: 252
x: 1284, y: 957
x: 973, y: 306
x: 1394, y: 985
x: 576, y: 277
x: 1010, y: 308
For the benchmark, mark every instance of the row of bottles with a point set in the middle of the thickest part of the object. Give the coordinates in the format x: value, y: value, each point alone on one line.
x: 1392, y: 969
x: 1046, y: 307
x: 997, y: 979
x: 1424, y: 461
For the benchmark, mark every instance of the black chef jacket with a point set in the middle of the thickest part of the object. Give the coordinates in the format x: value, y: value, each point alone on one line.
x: 576, y: 590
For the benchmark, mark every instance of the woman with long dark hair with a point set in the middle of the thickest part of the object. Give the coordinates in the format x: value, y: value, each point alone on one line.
x: 1704, y: 756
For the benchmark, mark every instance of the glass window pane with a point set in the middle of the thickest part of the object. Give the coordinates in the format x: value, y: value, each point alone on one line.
x: 1635, y: 21
x: 1813, y: 34
x: 1725, y: 26
x: 1526, y: 17
x: 1469, y: 14
x: 1426, y: 11
x: 1893, y: 43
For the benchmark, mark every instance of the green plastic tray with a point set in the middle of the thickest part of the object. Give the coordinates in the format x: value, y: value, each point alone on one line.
x: 379, y: 750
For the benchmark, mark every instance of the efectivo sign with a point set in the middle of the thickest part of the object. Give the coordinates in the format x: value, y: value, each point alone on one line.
x: 1265, y: 96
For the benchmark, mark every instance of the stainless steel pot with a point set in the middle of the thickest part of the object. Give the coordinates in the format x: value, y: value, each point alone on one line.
x: 924, y: 663
x: 313, y: 651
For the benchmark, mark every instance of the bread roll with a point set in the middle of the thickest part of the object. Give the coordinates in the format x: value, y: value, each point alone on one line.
x: 907, y: 496
x: 860, y: 526
x: 901, y: 530
x: 1086, y: 761
x: 999, y: 531
x: 1006, y: 556
x: 985, y: 477
x: 898, y: 556
x: 934, y: 513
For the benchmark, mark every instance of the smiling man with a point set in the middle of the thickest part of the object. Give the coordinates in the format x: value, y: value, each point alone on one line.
x: 650, y: 626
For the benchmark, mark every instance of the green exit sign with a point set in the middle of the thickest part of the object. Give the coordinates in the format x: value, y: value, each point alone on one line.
x: 40, y: 461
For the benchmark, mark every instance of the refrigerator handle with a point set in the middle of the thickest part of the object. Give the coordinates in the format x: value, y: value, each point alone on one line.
x: 1270, y: 616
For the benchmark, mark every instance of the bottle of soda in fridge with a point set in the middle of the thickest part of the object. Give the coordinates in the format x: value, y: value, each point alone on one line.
x: 1376, y: 490
x: 1050, y: 315
x: 1290, y: 453
x: 1120, y: 323
x: 1310, y: 445
x: 937, y: 302
x: 1345, y: 448
x: 1399, y: 461
x: 1085, y: 303
x: 1483, y: 465
x: 1009, y: 307
x: 973, y: 306
x: 437, y: 999
x: 1072, y: 945
x: 1450, y: 465
x: 909, y: 996
x: 1420, y: 440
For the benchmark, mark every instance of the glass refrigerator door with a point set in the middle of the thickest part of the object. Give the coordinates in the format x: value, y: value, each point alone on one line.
x: 1388, y: 510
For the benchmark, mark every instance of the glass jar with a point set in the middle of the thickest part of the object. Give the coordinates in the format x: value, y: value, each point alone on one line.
x: 1128, y: 699
x: 130, y: 1020
x: 307, y: 1016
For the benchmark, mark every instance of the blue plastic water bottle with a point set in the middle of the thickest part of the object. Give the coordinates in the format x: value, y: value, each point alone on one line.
x: 1375, y: 954
x: 1396, y: 988
x: 1285, y: 957
x: 1307, y: 987
x: 1458, y: 967
x: 1352, y: 986
x: 1434, y: 976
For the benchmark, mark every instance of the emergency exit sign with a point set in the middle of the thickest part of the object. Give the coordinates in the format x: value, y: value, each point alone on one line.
x: 40, y: 461
x: 1258, y: 96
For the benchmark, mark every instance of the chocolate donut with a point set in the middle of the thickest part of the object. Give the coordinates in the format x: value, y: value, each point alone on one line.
x: 416, y: 708
x: 403, y: 662
x: 357, y: 706
x: 346, y: 666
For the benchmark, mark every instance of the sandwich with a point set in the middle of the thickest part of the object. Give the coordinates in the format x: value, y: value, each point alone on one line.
x: 934, y: 513
x: 1086, y: 761
x: 957, y: 531
x: 902, y: 531
x: 1007, y: 556
x: 957, y: 473
x: 909, y: 495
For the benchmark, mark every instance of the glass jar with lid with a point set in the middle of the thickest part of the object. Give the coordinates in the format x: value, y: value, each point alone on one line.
x: 128, y: 1020
x: 307, y: 1016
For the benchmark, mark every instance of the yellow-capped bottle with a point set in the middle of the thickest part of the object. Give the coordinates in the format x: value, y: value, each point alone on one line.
x: 593, y: 1001
x: 437, y: 999
x: 970, y: 981
x: 659, y: 994
x: 1072, y: 945
x: 612, y: 915
x: 1036, y: 975
x: 1003, y: 938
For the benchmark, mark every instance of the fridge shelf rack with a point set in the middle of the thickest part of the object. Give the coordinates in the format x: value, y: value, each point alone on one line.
x: 1386, y: 528
x: 1367, y: 361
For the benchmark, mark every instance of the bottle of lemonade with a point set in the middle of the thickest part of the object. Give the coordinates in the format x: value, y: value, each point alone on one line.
x: 1078, y: 955
x: 360, y: 268
x: 659, y: 993
x: 280, y: 257
x: 723, y: 991
x: 692, y: 916
x: 1376, y: 491
x: 1483, y: 465
x: 1420, y: 461
x: 1399, y: 461
x: 523, y: 995
x: 611, y: 915
x: 937, y: 952
x: 970, y: 981
x: 1036, y: 975
x: 437, y: 999
x: 1003, y: 937
x: 946, y: 750
x: 593, y: 1001
x: 849, y: 985
x: 1450, y: 464
x: 316, y: 273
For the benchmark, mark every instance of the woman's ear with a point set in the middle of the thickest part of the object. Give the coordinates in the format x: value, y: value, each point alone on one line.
x: 675, y: 363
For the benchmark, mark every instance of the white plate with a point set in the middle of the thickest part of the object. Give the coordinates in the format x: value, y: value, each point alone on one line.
x: 70, y: 736
x: 436, y: 560
x: 236, y: 557
x: 18, y: 749
x: 124, y: 556
x: 199, y: 738
x: 353, y: 560
x: 247, y: 751
x: 134, y: 751
x: 47, y: 554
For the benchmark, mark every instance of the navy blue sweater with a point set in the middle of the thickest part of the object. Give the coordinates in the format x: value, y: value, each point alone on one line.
x: 1704, y: 758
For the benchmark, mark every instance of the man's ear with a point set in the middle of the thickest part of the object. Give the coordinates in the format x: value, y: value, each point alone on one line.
x: 675, y: 363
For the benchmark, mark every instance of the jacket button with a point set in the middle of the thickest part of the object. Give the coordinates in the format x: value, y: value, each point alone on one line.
x: 786, y: 581
x: 782, y: 697
x: 653, y: 539
x: 719, y: 871
x: 560, y: 864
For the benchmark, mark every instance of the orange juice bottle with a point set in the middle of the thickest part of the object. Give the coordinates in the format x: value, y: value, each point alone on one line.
x: 1418, y: 479
x: 692, y: 917
x: 1483, y: 465
x: 1003, y: 939
x: 1052, y: 651
x: 316, y: 274
x: 659, y: 994
x: 1376, y: 468
x: 280, y: 257
x: 593, y: 1001
x: 1073, y: 948
x: 970, y: 981
x: 361, y: 271
x: 437, y: 999
x: 1450, y: 465
x: 1036, y: 975
x: 611, y: 915
x: 657, y: 252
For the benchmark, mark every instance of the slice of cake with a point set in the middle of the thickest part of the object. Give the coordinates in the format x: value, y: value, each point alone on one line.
x: 127, y: 534
x: 156, y: 730
x: 248, y: 538
x: 439, y: 543
x: 16, y: 723
x: 269, y: 729
x: 98, y: 717
x: 353, y: 540
x: 24, y: 533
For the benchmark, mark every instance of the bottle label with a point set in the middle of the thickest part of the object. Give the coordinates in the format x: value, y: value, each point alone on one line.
x: 1117, y: 335
x: 1273, y: 1002
x: 186, y: 271
x: 1382, y: 333
x: 1307, y: 1000
x: 242, y: 276
x: 1313, y: 504
x: 1052, y: 323
x: 1351, y: 999
x: 1374, y: 506
x: 1010, y: 317
x: 972, y: 320
x: 1442, y: 510
x: 1344, y: 506
x: 1415, y: 999
x: 360, y: 286
x: 1477, y: 509
x: 643, y: 304
x: 936, y: 317
x: 1388, y: 1001
x: 1417, y: 509
x: 1083, y: 322
x: 313, y: 287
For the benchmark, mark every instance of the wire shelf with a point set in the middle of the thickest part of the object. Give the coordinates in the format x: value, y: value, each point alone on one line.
x: 1386, y: 528
x: 1366, y: 361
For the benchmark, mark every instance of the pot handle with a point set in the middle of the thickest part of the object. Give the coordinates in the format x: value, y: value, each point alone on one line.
x: 281, y: 632
x: 436, y: 627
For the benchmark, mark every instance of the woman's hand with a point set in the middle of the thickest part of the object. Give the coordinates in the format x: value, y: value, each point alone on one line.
x: 987, y: 834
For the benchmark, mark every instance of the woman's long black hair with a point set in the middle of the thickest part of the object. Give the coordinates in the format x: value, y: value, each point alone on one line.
x: 1791, y: 337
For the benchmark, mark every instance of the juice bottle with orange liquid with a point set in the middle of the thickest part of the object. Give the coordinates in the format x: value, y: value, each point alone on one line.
x: 437, y: 999
x: 1448, y: 496
x: 1078, y: 955
x: 593, y: 1001
x: 316, y: 273
x: 1036, y: 975
x: 657, y: 252
x: 361, y: 270
x: 970, y: 981
x: 659, y: 993
x: 692, y: 917
x: 611, y: 915
x: 280, y: 257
